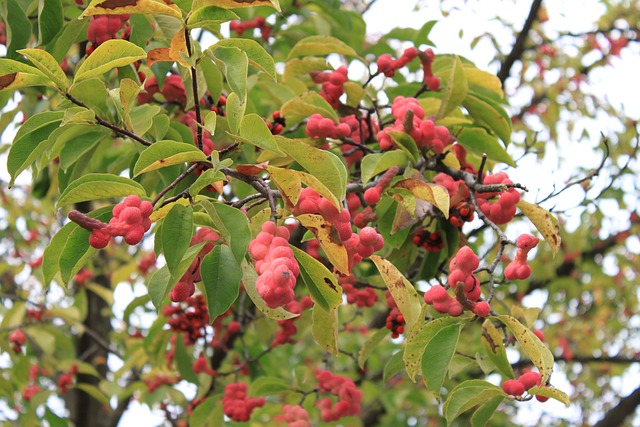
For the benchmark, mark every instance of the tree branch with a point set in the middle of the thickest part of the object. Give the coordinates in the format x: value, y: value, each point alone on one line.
x: 616, y: 416
x: 518, y: 46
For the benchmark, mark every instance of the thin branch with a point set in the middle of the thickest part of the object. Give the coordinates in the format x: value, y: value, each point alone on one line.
x: 194, y: 87
x: 175, y: 182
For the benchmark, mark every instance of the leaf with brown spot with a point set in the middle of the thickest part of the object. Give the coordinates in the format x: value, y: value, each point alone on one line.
x: 251, y: 169
x: 170, y: 54
x: 321, y: 283
x: 403, y: 292
x: 325, y: 328
x: 119, y: 7
x: 109, y: 55
x: 432, y: 193
x: 551, y: 392
x: 333, y: 249
x: 544, y: 221
x: 532, y: 346
x: 495, y: 350
x: 14, y: 75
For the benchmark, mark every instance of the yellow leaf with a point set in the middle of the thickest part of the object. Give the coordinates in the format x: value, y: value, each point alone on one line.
x: 329, y: 239
x: 432, y: 193
x: 119, y: 7
x: 171, y: 54
x: 546, y: 223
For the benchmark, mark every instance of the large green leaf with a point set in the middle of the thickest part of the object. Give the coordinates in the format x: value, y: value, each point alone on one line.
x: 97, y: 186
x: 233, y: 224
x: 234, y: 64
x: 375, y: 163
x: 166, y: 153
x: 303, y: 106
x: 109, y: 55
x: 406, y: 143
x: 221, y: 275
x: 256, y: 54
x: 321, y: 46
x: 209, y: 15
x: 468, y: 394
x: 489, y: 113
x: 480, y: 142
x: 437, y: 357
x: 321, y: 283
x: 254, y: 131
x: 485, y: 411
x: 18, y: 27
x: 50, y: 20
x: 177, y: 230
x: 455, y: 90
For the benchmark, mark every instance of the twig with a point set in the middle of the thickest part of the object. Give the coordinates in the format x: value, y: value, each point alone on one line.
x: 175, y: 182
x: 194, y: 87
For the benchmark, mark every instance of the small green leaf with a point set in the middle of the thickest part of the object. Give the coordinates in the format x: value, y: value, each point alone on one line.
x: 394, y: 366
x: 418, y: 339
x: 437, y: 357
x: 166, y: 153
x: 455, y: 90
x: 483, y: 414
x: 321, y: 46
x: 321, y: 283
x: 254, y: 131
x: 221, y: 275
x: 109, y: 55
x: 97, y: 186
x: 234, y: 63
x: 372, y: 342
x: 265, y: 386
x: 177, y: 230
x: 51, y: 255
x: 184, y: 362
x: 233, y: 224
x: 468, y: 394
x: 480, y: 142
x: 325, y: 328
x: 46, y: 63
x: 205, y: 179
x: 303, y: 106
x: 406, y: 143
x: 235, y: 111
x: 203, y: 413
x: 209, y: 15
x: 256, y: 54
x: 373, y: 164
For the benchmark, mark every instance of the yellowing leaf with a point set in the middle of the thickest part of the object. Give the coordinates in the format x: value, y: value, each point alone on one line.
x: 119, y: 7
x: 170, y: 54
x: 483, y: 79
x: 544, y: 221
x: 14, y: 75
x: 325, y: 328
x: 494, y: 348
x: 403, y: 292
x: 236, y: 4
x: 432, y: 193
x: 167, y: 153
x: 46, y: 63
x: 551, y: 392
x: 303, y: 106
x: 109, y: 55
x: 289, y: 183
x: 321, y: 283
x: 329, y: 240
x: 321, y: 46
x: 455, y: 90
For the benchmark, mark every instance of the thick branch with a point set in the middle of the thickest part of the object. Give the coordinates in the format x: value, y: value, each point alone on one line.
x: 518, y: 46
x: 616, y: 416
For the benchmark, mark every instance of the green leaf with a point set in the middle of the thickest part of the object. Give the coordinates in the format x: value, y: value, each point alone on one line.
x: 303, y: 106
x: 403, y: 292
x: 437, y: 357
x: 481, y: 416
x: 42, y: 338
x: 46, y: 63
x: 375, y: 163
x: 249, y: 278
x: 406, y: 143
x: 184, y: 362
x: 480, y: 142
x: 205, y: 179
x: 455, y: 90
x: 254, y: 131
x: 418, y: 339
x: 79, y: 145
x: 372, y: 342
x: 394, y: 366
x: 109, y: 55
x: 468, y: 394
x: 233, y: 224
x: 53, y: 419
x: 18, y: 27
x: 31, y: 141
x: 265, y: 386
x: 495, y: 350
x: 321, y: 46
x: 321, y: 283
x: 166, y: 153
x: 94, y: 392
x: 208, y: 413
x: 234, y: 64
x: 532, y: 346
x: 302, y: 66
x: 209, y: 15
x: 256, y: 54
x: 51, y: 255
x: 50, y: 20
x: 551, y: 392
x: 325, y: 328
x: 97, y: 186
x: 235, y: 111
x: 488, y: 113
x: 221, y: 275
x: 233, y: 4
x: 422, y: 36
x: 545, y: 222
x: 177, y: 230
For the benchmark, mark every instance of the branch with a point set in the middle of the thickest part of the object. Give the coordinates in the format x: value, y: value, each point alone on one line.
x: 194, y: 87
x: 175, y: 182
x: 518, y: 46
x: 616, y: 416
x: 103, y: 122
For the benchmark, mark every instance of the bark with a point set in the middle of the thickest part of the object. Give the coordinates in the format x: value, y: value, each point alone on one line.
x: 616, y: 416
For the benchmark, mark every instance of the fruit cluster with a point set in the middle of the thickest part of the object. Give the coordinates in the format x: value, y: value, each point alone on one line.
x: 295, y: 416
x: 105, y: 27
x: 237, y: 405
x: 130, y: 220
x: 186, y: 285
x: 373, y: 194
x: 156, y: 381
x: 518, y: 387
x: 430, y: 240
x: 361, y: 297
x: 192, y: 319
x: 239, y: 27
x: 66, y: 379
x: 361, y: 131
x: 173, y: 90
x: 503, y: 209
x: 395, y: 322
x: 349, y: 397
x: 201, y: 366
x: 332, y: 84
x: 518, y: 269
x: 276, y: 265
x: 388, y: 66
x: 409, y: 117
x: 322, y: 127
x: 17, y: 338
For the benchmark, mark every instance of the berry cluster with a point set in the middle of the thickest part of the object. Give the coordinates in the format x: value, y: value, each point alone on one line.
x: 388, y: 66
x: 409, y: 118
x: 361, y: 131
x: 130, y: 220
x: 275, y: 264
x: 322, y: 127
x: 362, y: 219
x: 372, y: 195
x: 17, y: 338
x: 186, y: 285
x: 502, y: 210
x: 332, y: 84
x: 192, y: 320
x: 361, y: 297
x: 460, y: 213
x: 349, y: 397
x: 518, y: 269
x: 277, y: 123
x: 82, y: 276
x: 432, y: 82
x: 518, y: 387
x: 395, y: 322
x: 288, y: 326
x: 461, y: 209
x: 237, y: 405
x: 295, y: 416
x: 158, y: 380
x: 173, y: 90
x: 66, y: 379
x: 146, y: 263
x: 431, y: 241
x: 201, y: 365
x: 104, y: 27
x: 258, y: 22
